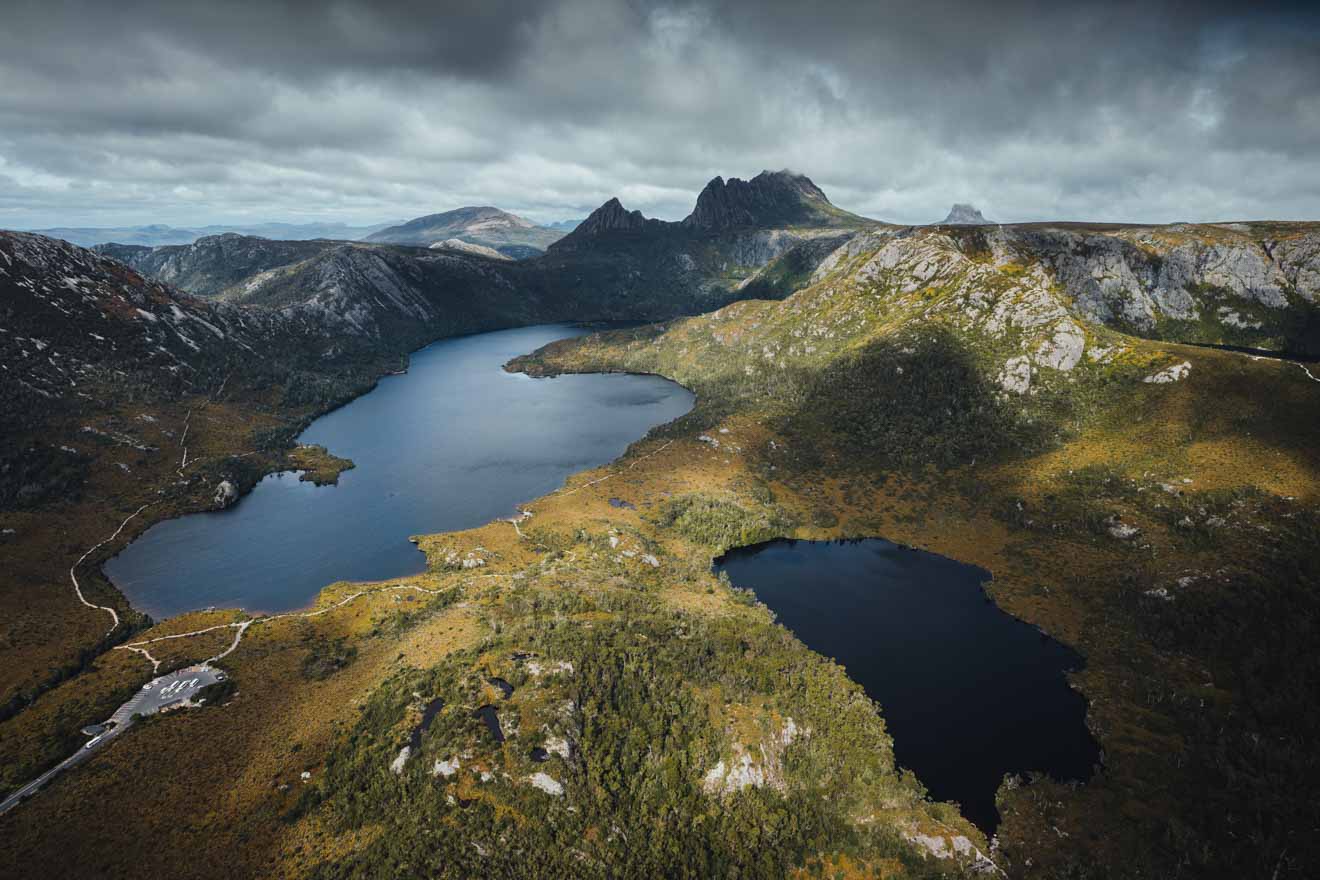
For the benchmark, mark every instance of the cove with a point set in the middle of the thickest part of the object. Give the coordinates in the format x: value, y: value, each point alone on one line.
x: 452, y: 444
x: 968, y: 692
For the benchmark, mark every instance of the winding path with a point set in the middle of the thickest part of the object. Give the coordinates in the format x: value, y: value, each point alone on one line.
x: 1300, y: 365
x: 242, y: 625
x: 73, y: 571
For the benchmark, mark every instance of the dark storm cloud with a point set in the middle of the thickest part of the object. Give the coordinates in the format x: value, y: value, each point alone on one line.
x: 179, y: 112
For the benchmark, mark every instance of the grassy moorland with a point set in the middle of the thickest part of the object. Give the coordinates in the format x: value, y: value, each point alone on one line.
x: 1168, y: 530
x: 1161, y: 518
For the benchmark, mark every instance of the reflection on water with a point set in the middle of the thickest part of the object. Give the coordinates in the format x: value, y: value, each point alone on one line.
x: 453, y: 444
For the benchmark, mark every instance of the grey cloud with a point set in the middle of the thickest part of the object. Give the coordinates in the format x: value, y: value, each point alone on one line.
x: 187, y: 113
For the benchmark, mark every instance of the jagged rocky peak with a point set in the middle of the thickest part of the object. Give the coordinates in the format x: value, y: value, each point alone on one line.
x: 771, y: 198
x: 962, y: 214
x: 611, y: 217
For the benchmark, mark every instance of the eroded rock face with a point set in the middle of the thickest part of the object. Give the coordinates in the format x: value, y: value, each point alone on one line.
x: 753, y: 768
x: 1137, y: 277
x: 768, y: 199
x: 225, y: 494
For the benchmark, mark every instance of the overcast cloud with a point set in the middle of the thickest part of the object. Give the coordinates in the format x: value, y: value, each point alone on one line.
x: 187, y: 114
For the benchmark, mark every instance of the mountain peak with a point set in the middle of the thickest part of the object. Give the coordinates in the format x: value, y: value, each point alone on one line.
x: 483, y: 225
x: 963, y: 214
x: 610, y: 217
x: 771, y: 198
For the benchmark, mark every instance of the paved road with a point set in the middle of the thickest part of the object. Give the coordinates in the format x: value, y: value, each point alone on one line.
x: 160, y: 693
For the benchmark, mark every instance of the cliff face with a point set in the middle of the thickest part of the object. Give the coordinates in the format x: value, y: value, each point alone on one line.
x: 1254, y: 286
x: 1251, y: 285
x: 771, y: 198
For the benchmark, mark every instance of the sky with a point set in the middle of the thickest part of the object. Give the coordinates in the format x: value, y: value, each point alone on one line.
x: 364, y: 112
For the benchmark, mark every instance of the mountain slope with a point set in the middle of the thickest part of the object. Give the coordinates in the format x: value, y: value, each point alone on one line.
x: 75, y: 321
x: 616, y: 264
x: 82, y: 333
x: 487, y: 226
x: 213, y: 264
x: 1155, y: 505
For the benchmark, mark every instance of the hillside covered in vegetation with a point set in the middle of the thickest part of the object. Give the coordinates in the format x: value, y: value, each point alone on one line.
x: 574, y: 693
x: 1154, y: 505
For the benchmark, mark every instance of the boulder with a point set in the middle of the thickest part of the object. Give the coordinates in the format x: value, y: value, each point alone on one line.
x: 225, y: 494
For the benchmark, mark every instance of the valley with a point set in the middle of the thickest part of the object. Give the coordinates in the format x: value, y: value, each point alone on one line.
x: 1018, y: 398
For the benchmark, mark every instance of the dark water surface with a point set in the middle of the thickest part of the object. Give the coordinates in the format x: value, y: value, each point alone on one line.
x: 453, y: 444
x: 968, y: 692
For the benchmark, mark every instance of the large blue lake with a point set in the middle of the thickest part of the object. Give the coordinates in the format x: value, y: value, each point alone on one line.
x: 453, y: 444
x: 968, y: 692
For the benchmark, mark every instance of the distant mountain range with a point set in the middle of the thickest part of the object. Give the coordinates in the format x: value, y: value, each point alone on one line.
x: 158, y: 234
x: 771, y: 199
x: 485, y: 226
x: 743, y: 238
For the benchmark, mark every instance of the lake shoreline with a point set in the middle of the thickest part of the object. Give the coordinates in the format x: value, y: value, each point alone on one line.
x: 469, y: 496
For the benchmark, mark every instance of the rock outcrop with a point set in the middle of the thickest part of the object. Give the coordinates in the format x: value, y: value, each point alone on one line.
x: 226, y: 493
x: 610, y: 219
x: 467, y: 247
x: 962, y: 214
x: 771, y: 198
x: 484, y: 225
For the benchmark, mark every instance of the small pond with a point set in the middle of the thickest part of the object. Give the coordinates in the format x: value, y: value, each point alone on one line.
x: 968, y: 692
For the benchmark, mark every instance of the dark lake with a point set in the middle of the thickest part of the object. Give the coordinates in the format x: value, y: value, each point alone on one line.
x: 453, y: 444
x: 968, y: 692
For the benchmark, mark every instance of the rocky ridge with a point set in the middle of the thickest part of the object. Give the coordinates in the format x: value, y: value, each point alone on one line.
x: 212, y: 265
x: 486, y: 226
